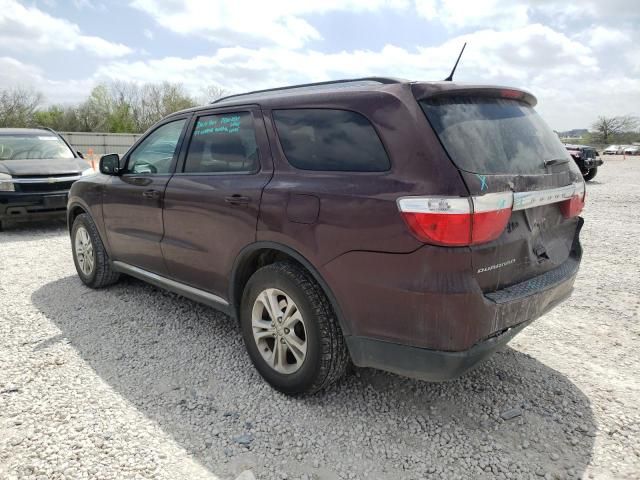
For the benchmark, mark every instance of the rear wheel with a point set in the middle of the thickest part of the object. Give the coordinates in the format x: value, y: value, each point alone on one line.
x: 590, y: 174
x: 89, y: 255
x: 290, y: 330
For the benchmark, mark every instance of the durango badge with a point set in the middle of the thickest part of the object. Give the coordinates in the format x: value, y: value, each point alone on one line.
x: 496, y: 266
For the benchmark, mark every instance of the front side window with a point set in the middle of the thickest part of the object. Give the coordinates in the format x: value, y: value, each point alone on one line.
x: 33, y: 147
x: 155, y: 153
x: 223, y: 143
x: 324, y: 139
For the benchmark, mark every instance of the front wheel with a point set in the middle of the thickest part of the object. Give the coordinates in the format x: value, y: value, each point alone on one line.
x: 590, y: 174
x: 89, y: 254
x: 290, y: 331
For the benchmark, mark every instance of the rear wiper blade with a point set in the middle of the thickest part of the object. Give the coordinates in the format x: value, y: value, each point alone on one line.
x: 555, y: 161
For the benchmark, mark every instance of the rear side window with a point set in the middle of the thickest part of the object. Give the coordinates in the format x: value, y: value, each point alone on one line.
x: 323, y: 139
x: 493, y: 135
x: 223, y: 143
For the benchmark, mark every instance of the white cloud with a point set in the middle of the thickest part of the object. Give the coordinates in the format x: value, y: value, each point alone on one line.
x: 464, y: 13
x: 29, y: 28
x: 279, y: 22
x: 600, y: 37
x: 14, y: 73
x: 579, y: 60
x: 549, y: 63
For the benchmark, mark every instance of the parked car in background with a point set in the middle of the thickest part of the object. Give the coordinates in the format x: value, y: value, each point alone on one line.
x: 586, y: 158
x: 632, y: 150
x: 414, y: 227
x: 37, y: 169
x: 613, y: 150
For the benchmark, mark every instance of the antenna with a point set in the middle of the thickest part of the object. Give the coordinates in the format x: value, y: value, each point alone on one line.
x: 450, y: 77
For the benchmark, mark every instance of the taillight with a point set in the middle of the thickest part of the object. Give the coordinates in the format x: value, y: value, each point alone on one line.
x: 572, y: 207
x: 457, y: 221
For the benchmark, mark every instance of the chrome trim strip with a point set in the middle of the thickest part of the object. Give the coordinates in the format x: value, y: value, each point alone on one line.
x: 537, y: 198
x: 491, y: 202
x: 171, y: 285
x: 42, y: 179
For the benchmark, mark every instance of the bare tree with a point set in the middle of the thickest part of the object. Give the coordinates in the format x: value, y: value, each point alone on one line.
x: 17, y: 107
x: 211, y: 92
x: 606, y: 129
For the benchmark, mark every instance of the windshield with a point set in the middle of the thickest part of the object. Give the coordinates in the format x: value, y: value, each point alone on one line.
x: 33, y: 147
x: 493, y: 135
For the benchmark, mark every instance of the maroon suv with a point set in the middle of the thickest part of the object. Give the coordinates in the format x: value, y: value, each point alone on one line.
x: 413, y: 227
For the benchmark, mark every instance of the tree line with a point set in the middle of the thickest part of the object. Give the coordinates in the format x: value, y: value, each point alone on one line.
x: 125, y: 107
x: 115, y: 107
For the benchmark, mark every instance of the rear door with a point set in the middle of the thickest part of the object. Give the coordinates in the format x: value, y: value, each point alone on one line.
x: 498, y: 145
x: 212, y: 202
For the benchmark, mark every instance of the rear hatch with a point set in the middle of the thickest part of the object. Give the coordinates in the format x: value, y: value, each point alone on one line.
x: 502, y: 147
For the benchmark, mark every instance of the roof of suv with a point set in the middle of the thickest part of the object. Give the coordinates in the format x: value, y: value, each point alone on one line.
x: 328, y: 90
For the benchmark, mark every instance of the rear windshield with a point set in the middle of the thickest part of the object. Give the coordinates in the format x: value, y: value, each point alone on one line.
x: 493, y: 135
x: 33, y: 147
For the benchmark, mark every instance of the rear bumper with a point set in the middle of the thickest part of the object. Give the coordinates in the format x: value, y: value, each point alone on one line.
x: 524, y: 302
x: 22, y: 206
x: 424, y: 315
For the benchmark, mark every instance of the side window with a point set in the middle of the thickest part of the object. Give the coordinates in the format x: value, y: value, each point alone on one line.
x: 223, y: 143
x: 155, y: 153
x: 323, y: 139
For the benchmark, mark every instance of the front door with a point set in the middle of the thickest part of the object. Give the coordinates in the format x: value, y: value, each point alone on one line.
x: 212, y: 203
x: 132, y: 202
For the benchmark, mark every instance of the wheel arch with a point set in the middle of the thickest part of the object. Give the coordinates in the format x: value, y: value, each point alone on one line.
x: 73, y: 211
x: 76, y: 208
x: 260, y: 254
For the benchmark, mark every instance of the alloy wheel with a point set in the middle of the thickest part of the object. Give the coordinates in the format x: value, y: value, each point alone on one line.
x: 279, y: 331
x: 84, y: 251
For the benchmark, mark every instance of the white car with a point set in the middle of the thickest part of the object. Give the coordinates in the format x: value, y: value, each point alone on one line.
x: 613, y: 150
x: 632, y: 150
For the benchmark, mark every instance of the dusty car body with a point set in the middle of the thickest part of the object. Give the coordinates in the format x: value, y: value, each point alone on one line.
x: 356, y: 201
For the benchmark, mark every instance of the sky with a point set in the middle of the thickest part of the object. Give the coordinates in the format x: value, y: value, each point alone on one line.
x: 580, y: 59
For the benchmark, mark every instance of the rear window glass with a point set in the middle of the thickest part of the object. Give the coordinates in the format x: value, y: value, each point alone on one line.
x: 493, y: 135
x: 324, y: 139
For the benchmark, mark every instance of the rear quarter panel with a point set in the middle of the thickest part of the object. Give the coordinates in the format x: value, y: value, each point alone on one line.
x: 358, y: 211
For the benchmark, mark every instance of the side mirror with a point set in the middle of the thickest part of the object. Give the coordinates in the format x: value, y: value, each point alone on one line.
x: 79, y: 153
x: 110, y: 164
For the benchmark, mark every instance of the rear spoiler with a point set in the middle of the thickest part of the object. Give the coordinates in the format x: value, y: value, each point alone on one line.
x: 424, y: 90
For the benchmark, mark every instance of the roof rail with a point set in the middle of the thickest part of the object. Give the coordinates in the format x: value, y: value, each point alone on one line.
x: 382, y: 80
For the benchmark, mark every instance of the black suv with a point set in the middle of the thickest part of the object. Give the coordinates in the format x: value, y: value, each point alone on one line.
x: 587, y: 159
x: 37, y: 168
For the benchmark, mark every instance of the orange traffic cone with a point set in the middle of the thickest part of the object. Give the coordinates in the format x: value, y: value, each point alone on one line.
x: 92, y: 160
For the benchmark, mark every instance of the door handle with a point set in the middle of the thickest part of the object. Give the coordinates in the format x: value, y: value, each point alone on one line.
x: 238, y: 200
x: 151, y: 194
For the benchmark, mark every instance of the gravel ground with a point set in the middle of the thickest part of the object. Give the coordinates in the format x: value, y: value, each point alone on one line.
x: 134, y: 382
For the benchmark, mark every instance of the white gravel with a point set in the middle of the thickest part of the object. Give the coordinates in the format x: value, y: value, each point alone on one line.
x: 134, y: 382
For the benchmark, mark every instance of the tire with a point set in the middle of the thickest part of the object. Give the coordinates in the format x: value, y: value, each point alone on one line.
x: 590, y: 174
x: 298, y: 300
x: 91, y: 259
